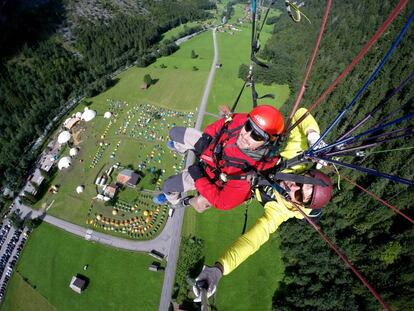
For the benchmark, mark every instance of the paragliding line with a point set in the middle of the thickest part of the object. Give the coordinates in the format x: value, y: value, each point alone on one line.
x: 371, y: 78
x: 342, y: 256
x: 379, y: 106
x: 367, y: 170
x: 351, y: 139
x: 361, y: 54
x: 395, y: 209
x: 308, y: 71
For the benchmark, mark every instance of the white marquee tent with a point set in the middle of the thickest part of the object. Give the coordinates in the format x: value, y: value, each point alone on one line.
x: 65, y: 162
x: 88, y: 115
x: 64, y: 137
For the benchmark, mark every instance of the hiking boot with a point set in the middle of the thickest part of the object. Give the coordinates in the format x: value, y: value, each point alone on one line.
x: 171, y: 146
x: 160, y: 199
x: 184, y: 202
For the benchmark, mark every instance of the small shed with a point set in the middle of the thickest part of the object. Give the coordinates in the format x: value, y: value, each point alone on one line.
x: 144, y: 86
x: 77, y: 284
x: 110, y: 191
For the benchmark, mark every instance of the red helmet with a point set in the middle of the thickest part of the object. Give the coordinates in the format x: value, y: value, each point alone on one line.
x: 321, y: 194
x: 268, y: 119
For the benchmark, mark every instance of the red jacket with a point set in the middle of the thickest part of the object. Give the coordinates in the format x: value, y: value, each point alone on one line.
x: 227, y: 195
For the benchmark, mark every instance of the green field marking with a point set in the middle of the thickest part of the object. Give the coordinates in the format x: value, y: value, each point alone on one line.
x: 119, y: 280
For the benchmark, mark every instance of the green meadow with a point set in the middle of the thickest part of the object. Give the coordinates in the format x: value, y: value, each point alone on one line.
x: 118, y: 280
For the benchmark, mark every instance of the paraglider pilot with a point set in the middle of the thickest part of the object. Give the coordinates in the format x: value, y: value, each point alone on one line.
x: 229, y: 152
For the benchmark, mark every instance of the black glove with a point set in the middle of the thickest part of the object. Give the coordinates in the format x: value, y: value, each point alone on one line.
x: 202, y: 144
x: 196, y: 171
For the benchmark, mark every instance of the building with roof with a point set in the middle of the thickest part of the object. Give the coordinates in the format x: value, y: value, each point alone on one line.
x: 77, y: 284
x: 110, y: 191
x: 128, y: 178
x: 70, y: 122
x: 33, y: 182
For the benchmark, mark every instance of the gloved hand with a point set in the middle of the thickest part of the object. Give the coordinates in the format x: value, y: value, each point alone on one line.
x: 212, y: 276
x: 196, y: 171
x: 313, y: 137
x: 202, y: 144
x: 224, y: 111
x: 200, y: 203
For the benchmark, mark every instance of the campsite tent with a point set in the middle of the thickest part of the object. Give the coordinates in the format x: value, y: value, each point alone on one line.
x: 64, y: 137
x: 88, y: 115
x: 65, y: 162
x: 73, y: 152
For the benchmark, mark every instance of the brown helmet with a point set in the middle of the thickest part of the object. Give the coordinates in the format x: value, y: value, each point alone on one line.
x: 322, y: 194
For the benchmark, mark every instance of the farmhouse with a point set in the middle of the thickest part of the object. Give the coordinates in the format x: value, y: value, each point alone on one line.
x: 128, y: 178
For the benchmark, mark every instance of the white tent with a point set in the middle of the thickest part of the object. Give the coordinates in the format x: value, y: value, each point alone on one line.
x: 88, y: 115
x: 73, y: 152
x: 86, y: 109
x: 64, y: 137
x: 65, y: 162
x: 79, y: 189
x: 107, y: 115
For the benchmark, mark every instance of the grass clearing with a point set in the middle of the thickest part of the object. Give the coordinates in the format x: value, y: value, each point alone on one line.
x: 119, y: 280
x: 21, y: 296
x: 177, y: 30
x: 234, y: 50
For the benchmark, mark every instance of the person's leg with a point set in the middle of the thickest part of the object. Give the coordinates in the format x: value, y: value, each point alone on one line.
x: 184, y: 138
x: 176, y: 184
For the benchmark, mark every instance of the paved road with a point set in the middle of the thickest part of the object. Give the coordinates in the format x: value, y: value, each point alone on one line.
x: 161, y: 243
x: 179, y: 213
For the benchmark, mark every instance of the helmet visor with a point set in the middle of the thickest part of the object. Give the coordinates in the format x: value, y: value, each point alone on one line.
x: 256, y: 133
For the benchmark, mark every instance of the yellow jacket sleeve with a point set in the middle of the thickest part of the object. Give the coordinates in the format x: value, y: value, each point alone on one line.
x: 298, y: 141
x: 275, y: 213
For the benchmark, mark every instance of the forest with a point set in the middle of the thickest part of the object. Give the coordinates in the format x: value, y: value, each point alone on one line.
x: 374, y: 238
x: 40, y: 70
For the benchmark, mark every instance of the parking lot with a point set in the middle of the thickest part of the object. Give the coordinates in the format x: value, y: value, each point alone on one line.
x: 11, y: 244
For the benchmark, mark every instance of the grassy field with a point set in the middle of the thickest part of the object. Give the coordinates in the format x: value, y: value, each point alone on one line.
x: 252, y: 285
x: 126, y: 139
x: 234, y: 50
x: 119, y: 280
x: 177, y: 30
x: 32, y: 300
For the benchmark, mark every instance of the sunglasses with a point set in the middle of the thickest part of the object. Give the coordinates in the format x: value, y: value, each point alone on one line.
x: 254, y: 134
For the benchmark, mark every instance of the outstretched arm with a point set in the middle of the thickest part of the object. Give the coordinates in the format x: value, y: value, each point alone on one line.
x: 275, y: 214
